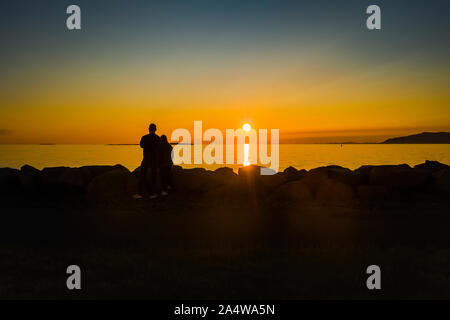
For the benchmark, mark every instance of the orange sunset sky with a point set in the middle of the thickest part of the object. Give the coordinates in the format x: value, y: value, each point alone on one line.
x: 317, y: 80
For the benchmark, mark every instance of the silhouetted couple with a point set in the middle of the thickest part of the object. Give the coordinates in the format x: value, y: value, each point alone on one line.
x: 157, y: 160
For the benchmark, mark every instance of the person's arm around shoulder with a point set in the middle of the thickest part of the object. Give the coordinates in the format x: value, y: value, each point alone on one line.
x: 158, y: 147
x: 171, y: 153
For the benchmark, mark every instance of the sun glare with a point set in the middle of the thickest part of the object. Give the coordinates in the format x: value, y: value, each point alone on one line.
x: 246, y: 127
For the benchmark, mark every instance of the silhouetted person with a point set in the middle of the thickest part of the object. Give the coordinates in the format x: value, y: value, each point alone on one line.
x: 165, y: 164
x: 151, y: 145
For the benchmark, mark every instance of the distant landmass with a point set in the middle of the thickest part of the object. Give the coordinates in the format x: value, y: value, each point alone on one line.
x: 424, y: 137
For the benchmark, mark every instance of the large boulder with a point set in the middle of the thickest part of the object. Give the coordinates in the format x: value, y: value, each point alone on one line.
x: 249, y: 173
x: 29, y: 178
x: 364, y: 174
x: 367, y: 192
x: 99, y: 170
x: 292, y: 192
x: 271, y: 182
x: 397, y: 176
x: 193, y: 180
x: 8, y: 175
x: 431, y: 166
x: 292, y: 174
x: 225, y: 177
x: 73, y: 178
x: 132, y: 186
x: 338, y: 173
x: 314, y: 179
x: 228, y: 186
x: 441, y: 180
x: 109, y: 185
x: 77, y: 178
x: 255, y: 178
x: 225, y: 171
x: 331, y: 184
x: 137, y: 172
x: 9, y: 180
x: 331, y: 190
x: 51, y: 176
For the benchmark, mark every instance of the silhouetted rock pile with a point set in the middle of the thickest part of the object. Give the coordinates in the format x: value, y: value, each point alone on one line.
x: 326, y: 184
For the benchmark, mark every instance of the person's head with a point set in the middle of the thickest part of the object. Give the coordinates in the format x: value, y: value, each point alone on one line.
x: 152, y: 128
x: 164, y: 138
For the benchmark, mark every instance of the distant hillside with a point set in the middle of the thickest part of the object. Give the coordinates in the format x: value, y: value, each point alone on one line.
x: 424, y: 137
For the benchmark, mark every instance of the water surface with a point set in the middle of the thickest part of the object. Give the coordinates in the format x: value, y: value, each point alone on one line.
x: 305, y: 156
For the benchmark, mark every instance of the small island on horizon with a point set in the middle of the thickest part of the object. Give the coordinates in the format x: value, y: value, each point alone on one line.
x: 418, y: 138
x: 424, y: 137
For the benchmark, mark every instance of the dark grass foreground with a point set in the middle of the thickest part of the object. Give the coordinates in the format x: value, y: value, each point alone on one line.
x: 221, y: 235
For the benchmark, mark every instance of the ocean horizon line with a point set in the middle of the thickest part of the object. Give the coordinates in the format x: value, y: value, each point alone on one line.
x: 175, y: 143
x: 206, y: 143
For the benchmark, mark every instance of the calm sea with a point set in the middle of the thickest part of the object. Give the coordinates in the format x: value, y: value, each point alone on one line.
x: 305, y: 156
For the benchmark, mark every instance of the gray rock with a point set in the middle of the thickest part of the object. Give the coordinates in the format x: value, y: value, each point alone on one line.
x: 9, y: 180
x: 111, y: 184
x: 250, y: 178
x: 367, y: 192
x: 397, y: 176
x: 341, y: 174
x: 249, y: 173
x: 441, y: 180
x: 77, y: 178
x: 364, y: 174
x: 314, y: 179
x: 98, y: 170
x: 292, y: 192
x: 431, y: 166
x: 29, y: 178
x: 292, y: 174
x: 51, y: 176
x: 192, y: 180
x: 331, y: 190
x: 225, y: 177
x: 71, y: 178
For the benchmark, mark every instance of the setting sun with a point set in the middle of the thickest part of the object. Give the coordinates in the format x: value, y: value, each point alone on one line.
x: 246, y: 127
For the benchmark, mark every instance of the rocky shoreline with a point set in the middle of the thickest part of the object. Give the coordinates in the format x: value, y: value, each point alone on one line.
x: 226, y: 235
x: 328, y: 184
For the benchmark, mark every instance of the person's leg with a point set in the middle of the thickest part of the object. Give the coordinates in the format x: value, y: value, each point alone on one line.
x: 143, y: 179
x: 153, y: 176
x: 164, y: 179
